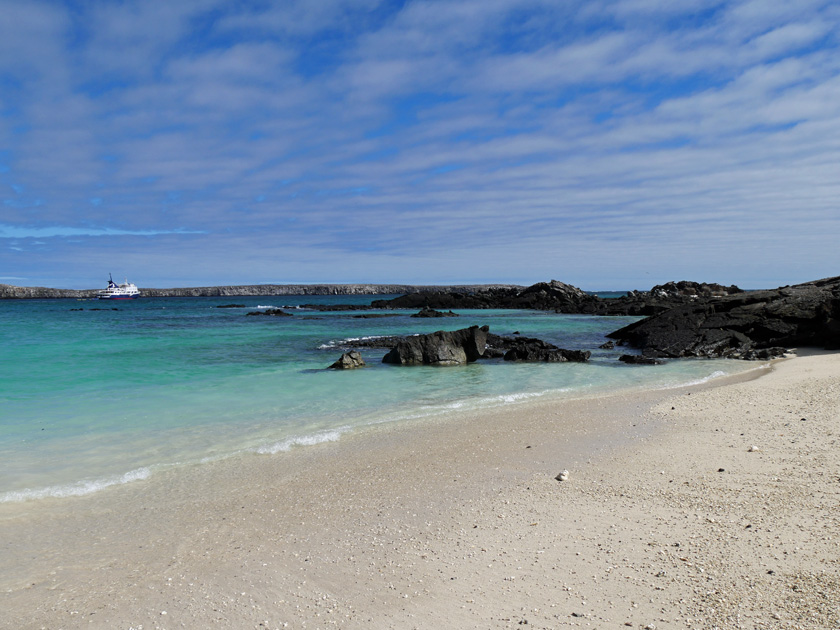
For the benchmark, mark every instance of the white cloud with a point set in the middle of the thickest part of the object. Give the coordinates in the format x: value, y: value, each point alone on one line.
x: 15, y: 231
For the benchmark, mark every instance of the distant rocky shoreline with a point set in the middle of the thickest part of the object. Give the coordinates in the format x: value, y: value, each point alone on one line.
x: 10, y: 292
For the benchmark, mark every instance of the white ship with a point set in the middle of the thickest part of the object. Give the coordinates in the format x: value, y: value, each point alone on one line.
x: 125, y: 291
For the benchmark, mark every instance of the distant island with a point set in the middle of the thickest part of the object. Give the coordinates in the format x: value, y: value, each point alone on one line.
x: 8, y: 291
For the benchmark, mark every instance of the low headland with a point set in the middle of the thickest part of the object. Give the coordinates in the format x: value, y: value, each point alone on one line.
x: 11, y: 292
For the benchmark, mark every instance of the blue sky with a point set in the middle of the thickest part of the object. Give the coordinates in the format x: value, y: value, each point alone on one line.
x: 606, y: 144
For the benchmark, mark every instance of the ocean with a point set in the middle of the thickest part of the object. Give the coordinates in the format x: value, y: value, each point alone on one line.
x: 96, y: 393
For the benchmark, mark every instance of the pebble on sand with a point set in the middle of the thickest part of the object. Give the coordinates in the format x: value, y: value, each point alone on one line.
x: 563, y: 476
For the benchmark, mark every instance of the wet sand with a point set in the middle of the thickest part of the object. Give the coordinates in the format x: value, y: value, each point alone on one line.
x: 709, y: 506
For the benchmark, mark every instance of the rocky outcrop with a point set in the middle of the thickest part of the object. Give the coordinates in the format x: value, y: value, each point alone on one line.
x: 271, y: 312
x: 430, y: 312
x: 554, y: 295
x: 530, y: 349
x: 440, y: 348
x: 659, y: 299
x: 464, y: 346
x: 349, y: 361
x: 562, y: 298
x: 692, y: 290
x: 444, y: 300
x: 551, y: 354
x: 746, y: 325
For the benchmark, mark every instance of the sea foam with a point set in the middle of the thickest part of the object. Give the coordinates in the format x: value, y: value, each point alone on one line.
x: 282, y: 446
x: 77, y: 489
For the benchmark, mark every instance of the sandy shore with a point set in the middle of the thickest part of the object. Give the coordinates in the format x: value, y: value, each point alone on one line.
x: 705, y: 507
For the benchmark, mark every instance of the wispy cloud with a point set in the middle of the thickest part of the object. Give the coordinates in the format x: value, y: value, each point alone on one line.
x: 11, y: 231
x: 627, y: 141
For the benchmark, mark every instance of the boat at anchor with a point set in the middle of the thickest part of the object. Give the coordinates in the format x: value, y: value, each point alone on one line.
x: 125, y: 291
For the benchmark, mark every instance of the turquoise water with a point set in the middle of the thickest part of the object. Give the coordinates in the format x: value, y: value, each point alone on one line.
x: 90, y: 398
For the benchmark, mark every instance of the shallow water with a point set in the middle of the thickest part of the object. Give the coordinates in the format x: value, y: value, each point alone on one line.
x: 94, y: 397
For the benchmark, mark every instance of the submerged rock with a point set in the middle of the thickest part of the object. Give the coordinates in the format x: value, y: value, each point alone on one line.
x: 430, y: 312
x: 271, y: 312
x: 638, y: 359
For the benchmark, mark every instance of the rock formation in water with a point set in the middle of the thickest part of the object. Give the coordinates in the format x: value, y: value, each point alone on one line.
x: 349, y: 361
x: 531, y: 349
x: 440, y: 348
x: 270, y: 312
x: 465, y: 346
x: 430, y: 312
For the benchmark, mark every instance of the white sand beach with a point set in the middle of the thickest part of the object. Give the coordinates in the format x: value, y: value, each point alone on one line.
x: 715, y: 506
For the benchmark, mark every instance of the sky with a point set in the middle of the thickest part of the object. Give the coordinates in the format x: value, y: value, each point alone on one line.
x: 607, y: 144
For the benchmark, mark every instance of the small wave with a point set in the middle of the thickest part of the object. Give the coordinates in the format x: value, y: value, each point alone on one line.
x: 468, y: 405
x: 697, y: 381
x: 512, y: 398
x: 337, y: 343
x: 77, y: 489
x: 306, y: 440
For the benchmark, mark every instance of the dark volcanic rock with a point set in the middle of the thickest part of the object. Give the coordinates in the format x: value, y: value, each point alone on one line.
x: 271, y: 312
x: 530, y: 349
x: 231, y: 306
x: 444, y: 348
x: 349, y: 361
x: 445, y: 299
x: 552, y: 296
x: 440, y: 348
x: 747, y: 325
x: 546, y: 355
x: 692, y: 290
x: 563, y: 298
x: 660, y: 298
x: 555, y: 296
x: 430, y: 312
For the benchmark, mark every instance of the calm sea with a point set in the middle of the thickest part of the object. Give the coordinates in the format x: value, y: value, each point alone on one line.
x: 91, y: 397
